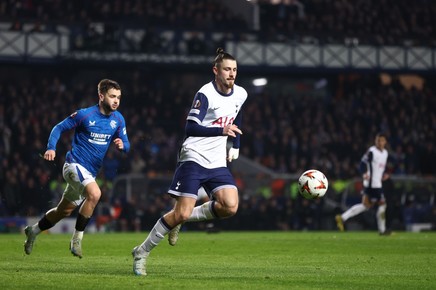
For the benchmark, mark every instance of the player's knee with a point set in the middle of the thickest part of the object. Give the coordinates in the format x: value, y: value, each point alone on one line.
x: 234, y: 210
x: 367, y: 204
x: 182, y: 216
x: 94, y: 196
x: 229, y: 211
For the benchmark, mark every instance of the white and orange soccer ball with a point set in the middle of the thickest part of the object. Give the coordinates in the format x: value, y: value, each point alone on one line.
x: 313, y: 184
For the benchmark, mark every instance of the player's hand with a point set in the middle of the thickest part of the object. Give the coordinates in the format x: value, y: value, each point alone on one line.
x: 50, y: 155
x: 233, y: 154
x: 365, y: 176
x: 119, y: 143
x: 231, y: 130
x: 385, y: 176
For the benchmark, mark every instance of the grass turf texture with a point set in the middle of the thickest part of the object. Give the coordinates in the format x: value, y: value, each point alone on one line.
x: 227, y: 260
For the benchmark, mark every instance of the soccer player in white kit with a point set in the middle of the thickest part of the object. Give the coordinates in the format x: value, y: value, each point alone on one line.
x: 214, y: 116
x: 373, y: 165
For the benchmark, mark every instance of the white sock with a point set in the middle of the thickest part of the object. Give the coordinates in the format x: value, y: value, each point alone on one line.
x: 202, y: 212
x: 156, y: 235
x: 381, y: 218
x: 353, y: 211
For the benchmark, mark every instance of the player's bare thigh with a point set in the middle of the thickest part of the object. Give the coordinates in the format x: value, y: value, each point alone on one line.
x: 366, y: 201
x: 181, y: 212
x: 92, y: 191
x: 227, y: 201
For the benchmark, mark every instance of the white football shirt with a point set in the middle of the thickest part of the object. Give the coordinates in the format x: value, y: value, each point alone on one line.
x: 211, y: 108
x: 376, y: 167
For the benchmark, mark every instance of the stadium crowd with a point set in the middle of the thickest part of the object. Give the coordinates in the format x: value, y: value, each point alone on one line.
x: 102, y: 23
x: 388, y: 22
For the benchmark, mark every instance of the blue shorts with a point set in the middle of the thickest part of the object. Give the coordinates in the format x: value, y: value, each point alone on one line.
x: 374, y: 194
x: 190, y: 177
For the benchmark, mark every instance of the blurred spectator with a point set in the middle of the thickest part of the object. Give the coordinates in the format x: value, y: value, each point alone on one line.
x: 37, y: 27
x: 137, y: 164
x: 110, y: 165
x: 16, y: 26
x: 195, y: 44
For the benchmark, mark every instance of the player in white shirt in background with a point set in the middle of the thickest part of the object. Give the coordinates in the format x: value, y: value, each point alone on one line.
x: 373, y: 165
x: 214, y: 116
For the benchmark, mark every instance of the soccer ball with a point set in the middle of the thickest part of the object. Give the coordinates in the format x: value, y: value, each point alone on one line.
x: 313, y: 184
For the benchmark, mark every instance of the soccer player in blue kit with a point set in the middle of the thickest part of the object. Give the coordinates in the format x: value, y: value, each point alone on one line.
x: 215, y: 115
x: 95, y: 128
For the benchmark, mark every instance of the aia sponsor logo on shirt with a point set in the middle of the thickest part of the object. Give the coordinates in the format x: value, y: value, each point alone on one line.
x: 223, y: 121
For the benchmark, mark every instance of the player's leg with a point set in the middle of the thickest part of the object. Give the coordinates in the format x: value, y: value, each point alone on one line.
x: 353, y: 211
x: 224, y: 204
x: 51, y: 218
x: 381, y: 216
x: 92, y: 195
x: 173, y: 235
x: 227, y: 202
x: 83, y: 191
x: 220, y: 185
x: 181, y: 211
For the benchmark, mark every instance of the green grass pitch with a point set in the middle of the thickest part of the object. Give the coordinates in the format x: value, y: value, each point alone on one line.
x: 226, y: 260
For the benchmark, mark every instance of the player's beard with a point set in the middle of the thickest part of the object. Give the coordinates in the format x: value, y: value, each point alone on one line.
x: 227, y: 83
x: 107, y: 107
x: 230, y: 83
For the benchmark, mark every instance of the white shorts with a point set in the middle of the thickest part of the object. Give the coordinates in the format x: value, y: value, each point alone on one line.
x: 77, y: 177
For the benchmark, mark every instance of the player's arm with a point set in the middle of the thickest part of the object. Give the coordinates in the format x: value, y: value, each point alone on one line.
x: 237, y: 139
x: 55, y: 134
x: 194, y: 129
x: 386, y: 175
x: 197, y: 113
x: 234, y: 150
x: 364, y: 164
x: 122, y: 140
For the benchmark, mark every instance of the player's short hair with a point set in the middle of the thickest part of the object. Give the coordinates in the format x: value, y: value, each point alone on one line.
x: 381, y: 134
x: 220, y: 56
x: 105, y: 85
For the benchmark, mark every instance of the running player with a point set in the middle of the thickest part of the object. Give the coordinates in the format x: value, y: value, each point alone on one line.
x: 95, y: 128
x: 214, y: 116
x: 373, y: 165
